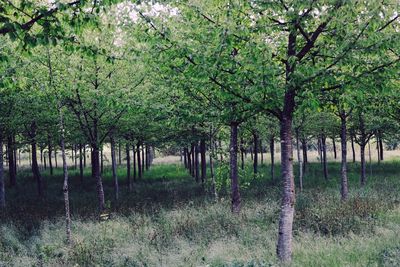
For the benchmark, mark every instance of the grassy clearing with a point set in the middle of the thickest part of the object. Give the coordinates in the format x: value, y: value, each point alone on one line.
x: 168, y: 220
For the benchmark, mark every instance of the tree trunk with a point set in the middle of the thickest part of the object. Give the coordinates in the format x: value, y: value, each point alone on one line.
x: 139, y: 162
x: 255, y: 146
x: 378, y: 149
x: 380, y: 145
x: 147, y: 157
x: 185, y: 162
x: 284, y: 246
x: 97, y: 176
x: 203, y: 160
x: 213, y: 186
x: 272, y: 152
x: 35, y: 166
x: 370, y: 159
x: 261, y: 152
x: 11, y: 160
x: 119, y: 153
x: 80, y: 163
x: 233, y: 149
x: 242, y: 153
x: 84, y: 156
x: 75, y: 158
x: 334, y: 148
x: 65, y: 184
x: 305, y: 157
x: 55, y: 156
x: 189, y: 161
x: 143, y: 158
x: 344, y: 189
x: 324, y: 160
x: 101, y: 160
x: 299, y: 160
x: 193, y: 160
x: 128, y: 167
x: 2, y: 183
x: 50, y: 148
x: 363, y: 179
x: 352, y: 148
x: 134, y: 162
x: 196, y: 162
x: 15, y: 157
x: 114, y: 169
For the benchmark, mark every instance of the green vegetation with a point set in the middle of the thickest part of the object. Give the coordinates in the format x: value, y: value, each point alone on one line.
x: 169, y: 220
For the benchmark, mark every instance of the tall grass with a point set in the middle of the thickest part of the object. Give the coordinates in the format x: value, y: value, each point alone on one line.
x: 169, y: 220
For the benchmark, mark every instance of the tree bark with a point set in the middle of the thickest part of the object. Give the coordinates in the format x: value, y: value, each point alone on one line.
x: 272, y: 152
x: 128, y: 167
x: 189, y: 161
x: 233, y: 149
x: 101, y: 160
x: 334, y: 148
x: 80, y: 163
x: 84, y: 155
x: 255, y: 146
x: 305, y: 156
x: 363, y: 179
x: 193, y: 160
x: 147, y: 157
x: 242, y: 150
x: 2, y: 183
x: 352, y: 148
x: 97, y: 176
x: 299, y: 160
x: 262, y: 153
x: 344, y: 188
x: 143, y: 152
x: 324, y: 160
x: 380, y: 145
x: 134, y: 162
x: 203, y: 160
x: 185, y: 162
x: 139, y: 162
x: 114, y: 169
x: 50, y: 148
x: 119, y: 153
x: 35, y: 166
x: 65, y: 184
x: 11, y: 161
x: 213, y: 186
x: 196, y: 162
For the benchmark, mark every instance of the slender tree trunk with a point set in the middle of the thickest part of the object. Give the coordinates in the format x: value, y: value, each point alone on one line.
x: 50, y: 148
x: 344, y: 189
x: 139, y: 161
x: 41, y: 156
x: 255, y: 146
x: 220, y: 147
x: 15, y: 157
x: 380, y: 145
x: 97, y: 176
x: 193, y: 161
x: 2, y: 183
x: 114, y: 169
x: 143, y: 158
x: 75, y: 158
x: 147, y: 157
x: 101, y: 160
x: 242, y: 149
x: 35, y: 166
x: 233, y: 149
x: 370, y: 160
x: 55, y: 156
x: 352, y: 148
x: 119, y: 153
x: 324, y: 160
x: 134, y: 162
x: 305, y: 156
x: 128, y: 167
x: 185, y: 151
x: 45, y: 161
x: 203, y: 160
x: 363, y: 179
x: 299, y: 160
x: 378, y: 149
x: 334, y: 148
x: 189, y: 159
x: 84, y: 155
x: 65, y: 184
x: 196, y: 162
x: 11, y: 161
x: 262, y: 153
x: 284, y: 246
x: 272, y: 152
x: 80, y: 163
x: 213, y: 187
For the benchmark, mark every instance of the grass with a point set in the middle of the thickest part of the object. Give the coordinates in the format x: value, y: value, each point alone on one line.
x: 169, y: 220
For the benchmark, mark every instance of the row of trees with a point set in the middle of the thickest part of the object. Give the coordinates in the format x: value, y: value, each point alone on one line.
x: 200, y: 75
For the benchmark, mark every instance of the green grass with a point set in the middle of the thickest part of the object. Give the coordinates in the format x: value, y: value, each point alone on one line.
x: 169, y: 220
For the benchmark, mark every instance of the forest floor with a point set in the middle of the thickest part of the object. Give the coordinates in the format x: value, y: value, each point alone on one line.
x: 169, y: 220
